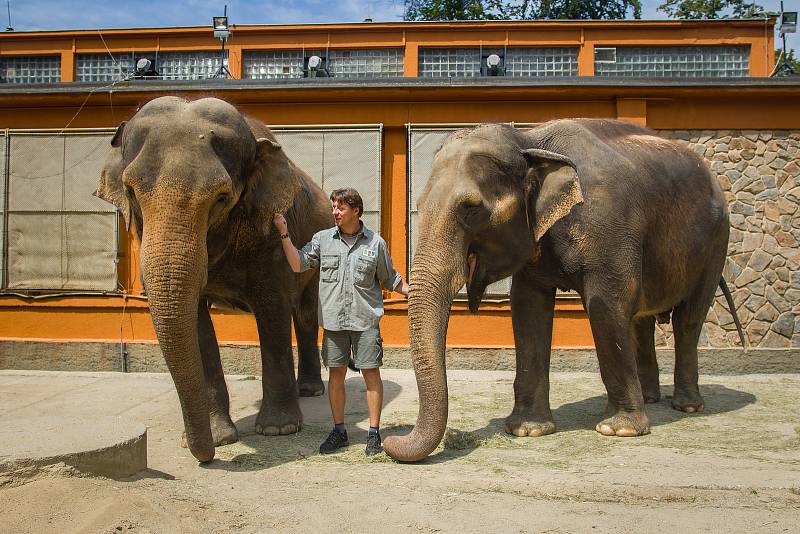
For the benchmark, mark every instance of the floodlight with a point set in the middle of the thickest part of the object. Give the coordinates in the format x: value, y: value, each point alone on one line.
x: 314, y: 62
x: 788, y: 22
x: 220, y: 25
x: 493, y: 61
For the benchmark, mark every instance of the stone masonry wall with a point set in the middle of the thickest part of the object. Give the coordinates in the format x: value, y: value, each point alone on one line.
x: 759, y: 171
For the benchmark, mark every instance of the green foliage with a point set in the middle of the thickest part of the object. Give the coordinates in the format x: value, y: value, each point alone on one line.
x: 790, y: 58
x: 712, y: 9
x: 521, y: 9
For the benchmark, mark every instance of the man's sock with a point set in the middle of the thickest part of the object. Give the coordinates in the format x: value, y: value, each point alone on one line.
x: 340, y: 428
x: 372, y: 430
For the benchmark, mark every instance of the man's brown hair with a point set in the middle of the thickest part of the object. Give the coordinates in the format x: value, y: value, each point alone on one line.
x: 349, y: 196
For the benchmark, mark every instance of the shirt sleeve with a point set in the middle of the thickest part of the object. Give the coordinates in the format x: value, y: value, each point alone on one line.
x: 388, y: 277
x: 309, y: 254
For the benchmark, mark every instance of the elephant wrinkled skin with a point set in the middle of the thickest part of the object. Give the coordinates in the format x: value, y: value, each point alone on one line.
x: 201, y: 184
x: 636, y: 224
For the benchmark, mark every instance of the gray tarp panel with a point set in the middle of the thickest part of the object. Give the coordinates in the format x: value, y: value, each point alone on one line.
x: 423, y: 145
x: 336, y: 158
x: 60, y: 237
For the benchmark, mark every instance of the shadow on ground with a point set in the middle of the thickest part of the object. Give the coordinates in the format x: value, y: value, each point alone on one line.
x: 583, y: 415
x: 256, y: 452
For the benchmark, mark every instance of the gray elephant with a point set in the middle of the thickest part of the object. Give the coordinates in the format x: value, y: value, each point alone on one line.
x: 634, y: 223
x: 201, y: 184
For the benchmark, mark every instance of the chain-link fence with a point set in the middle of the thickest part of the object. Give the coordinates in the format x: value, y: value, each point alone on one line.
x: 57, y: 235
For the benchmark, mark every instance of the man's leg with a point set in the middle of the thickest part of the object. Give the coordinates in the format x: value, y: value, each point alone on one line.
x: 372, y: 379
x: 336, y: 395
x: 335, y: 353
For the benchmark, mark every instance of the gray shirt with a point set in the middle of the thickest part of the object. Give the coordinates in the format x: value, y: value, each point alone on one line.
x: 350, y: 295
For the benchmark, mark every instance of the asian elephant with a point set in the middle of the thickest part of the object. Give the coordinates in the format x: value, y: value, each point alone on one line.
x: 636, y: 224
x: 201, y: 184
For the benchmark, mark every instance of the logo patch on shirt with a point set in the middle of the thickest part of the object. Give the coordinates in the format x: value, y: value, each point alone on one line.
x: 370, y: 253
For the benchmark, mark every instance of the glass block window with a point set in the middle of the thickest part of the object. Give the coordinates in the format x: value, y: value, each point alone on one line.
x: 103, y: 67
x: 470, y: 62
x: 676, y: 61
x: 30, y: 69
x: 188, y: 65
x: 273, y: 65
x: 450, y: 62
x: 541, y: 62
x: 375, y: 63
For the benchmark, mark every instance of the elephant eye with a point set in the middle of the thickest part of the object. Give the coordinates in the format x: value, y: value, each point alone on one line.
x: 222, y: 199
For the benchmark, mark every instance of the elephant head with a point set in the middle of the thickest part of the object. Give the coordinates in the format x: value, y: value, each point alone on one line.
x: 492, y: 194
x: 183, y: 171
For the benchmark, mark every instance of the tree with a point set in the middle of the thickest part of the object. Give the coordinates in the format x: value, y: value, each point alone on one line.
x: 445, y: 10
x: 712, y: 9
x: 521, y: 9
x: 790, y: 58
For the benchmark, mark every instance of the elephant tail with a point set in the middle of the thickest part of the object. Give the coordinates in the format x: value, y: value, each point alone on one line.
x: 729, y: 299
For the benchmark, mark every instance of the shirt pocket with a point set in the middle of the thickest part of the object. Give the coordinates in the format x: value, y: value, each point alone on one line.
x: 329, y: 268
x: 365, y: 271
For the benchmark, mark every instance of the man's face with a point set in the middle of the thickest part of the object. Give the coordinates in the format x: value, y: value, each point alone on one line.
x: 343, y: 214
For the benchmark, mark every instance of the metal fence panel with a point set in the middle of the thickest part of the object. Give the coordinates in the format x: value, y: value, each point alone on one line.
x: 423, y: 144
x: 336, y: 158
x: 60, y: 237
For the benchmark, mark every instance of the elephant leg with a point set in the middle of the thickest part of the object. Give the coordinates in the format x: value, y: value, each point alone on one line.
x: 611, y: 323
x: 644, y: 329
x: 687, y: 323
x: 223, y: 431
x: 306, y: 329
x: 532, y: 308
x: 280, y: 411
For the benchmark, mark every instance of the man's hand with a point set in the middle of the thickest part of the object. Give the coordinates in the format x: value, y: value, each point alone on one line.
x: 280, y: 223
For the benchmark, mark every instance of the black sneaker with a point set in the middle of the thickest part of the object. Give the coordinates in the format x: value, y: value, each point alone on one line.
x: 374, y: 445
x: 335, y: 440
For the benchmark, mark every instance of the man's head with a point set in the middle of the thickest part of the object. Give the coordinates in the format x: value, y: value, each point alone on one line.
x: 347, y: 206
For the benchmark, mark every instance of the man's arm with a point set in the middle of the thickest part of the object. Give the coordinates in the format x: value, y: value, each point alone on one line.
x: 292, y: 254
x: 386, y: 273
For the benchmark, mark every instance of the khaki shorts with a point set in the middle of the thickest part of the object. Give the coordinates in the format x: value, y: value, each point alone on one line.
x: 366, y: 347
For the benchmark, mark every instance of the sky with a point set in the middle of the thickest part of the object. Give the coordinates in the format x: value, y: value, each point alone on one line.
x: 107, y: 14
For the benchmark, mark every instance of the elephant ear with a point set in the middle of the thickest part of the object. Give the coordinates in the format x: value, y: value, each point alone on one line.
x: 553, y: 181
x: 111, y: 188
x: 272, y: 185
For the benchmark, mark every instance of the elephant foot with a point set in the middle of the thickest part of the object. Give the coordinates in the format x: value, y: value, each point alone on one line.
x: 272, y: 421
x: 687, y: 400
x: 310, y: 387
x: 529, y: 425
x: 223, y: 431
x: 625, y: 424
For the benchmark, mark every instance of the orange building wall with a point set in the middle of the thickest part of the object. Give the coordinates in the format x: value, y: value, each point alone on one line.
x: 126, y: 317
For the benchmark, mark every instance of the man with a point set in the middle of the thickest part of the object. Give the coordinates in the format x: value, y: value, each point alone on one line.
x: 354, y: 262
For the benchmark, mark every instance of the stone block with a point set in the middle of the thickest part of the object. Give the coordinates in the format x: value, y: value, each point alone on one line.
x: 774, y: 298
x: 767, y: 313
x: 793, y: 277
x: 784, y: 325
x: 770, y: 277
x: 773, y: 340
x: 787, y: 206
x: 765, y: 135
x: 741, y: 208
x: 785, y: 239
x: 756, y: 331
x: 759, y: 260
x: 767, y: 194
x: 755, y: 303
x: 772, y: 211
x: 777, y: 261
x: 769, y: 157
x: 758, y: 287
x: 748, y: 154
x: 751, y: 241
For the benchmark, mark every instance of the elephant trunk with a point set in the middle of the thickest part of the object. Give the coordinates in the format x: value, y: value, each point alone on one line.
x: 174, y: 265
x: 436, y: 276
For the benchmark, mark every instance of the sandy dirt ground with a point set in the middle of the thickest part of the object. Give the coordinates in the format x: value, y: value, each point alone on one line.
x: 734, y: 467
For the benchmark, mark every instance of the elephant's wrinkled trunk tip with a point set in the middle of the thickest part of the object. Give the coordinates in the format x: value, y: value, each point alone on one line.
x: 435, y: 280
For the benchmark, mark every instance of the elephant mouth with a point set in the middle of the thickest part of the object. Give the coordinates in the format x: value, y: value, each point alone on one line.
x: 476, y: 280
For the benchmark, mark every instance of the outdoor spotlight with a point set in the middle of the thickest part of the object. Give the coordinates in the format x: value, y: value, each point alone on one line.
x: 493, y: 68
x: 314, y: 62
x: 220, y: 25
x: 788, y: 22
x: 144, y: 68
x: 493, y: 61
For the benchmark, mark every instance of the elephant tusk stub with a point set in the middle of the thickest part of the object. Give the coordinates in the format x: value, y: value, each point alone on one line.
x: 471, y: 260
